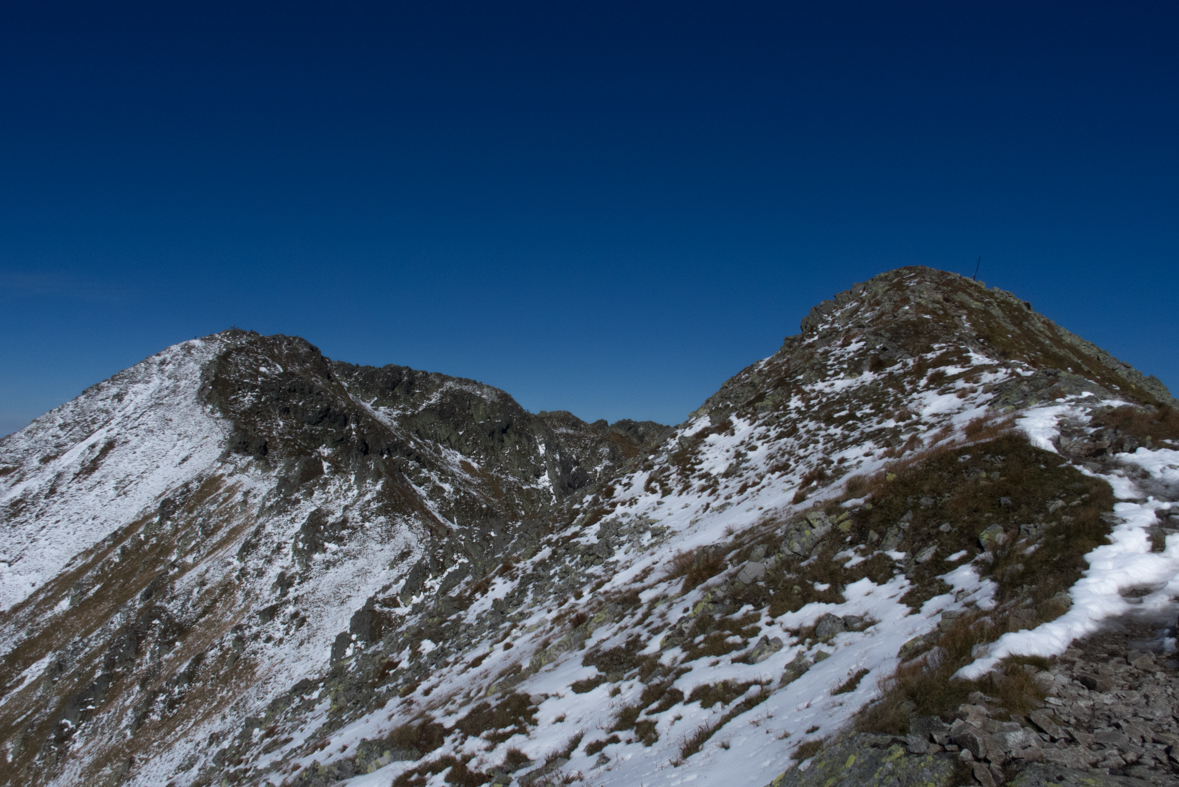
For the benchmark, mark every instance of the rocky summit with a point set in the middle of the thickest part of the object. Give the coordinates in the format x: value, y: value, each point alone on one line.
x: 933, y: 540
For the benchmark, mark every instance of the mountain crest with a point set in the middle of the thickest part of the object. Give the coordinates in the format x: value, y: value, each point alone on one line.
x: 241, y: 562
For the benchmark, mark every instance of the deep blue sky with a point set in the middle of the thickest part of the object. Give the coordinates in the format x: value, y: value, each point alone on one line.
x: 602, y: 207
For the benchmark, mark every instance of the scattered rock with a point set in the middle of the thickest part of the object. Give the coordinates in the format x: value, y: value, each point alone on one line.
x: 764, y: 648
x: 751, y: 572
x: 829, y: 625
x: 856, y: 760
x: 994, y: 536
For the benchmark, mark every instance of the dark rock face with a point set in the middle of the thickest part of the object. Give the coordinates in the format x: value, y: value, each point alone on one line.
x: 305, y: 415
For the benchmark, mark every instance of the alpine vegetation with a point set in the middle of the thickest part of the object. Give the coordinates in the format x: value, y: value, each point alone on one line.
x: 933, y: 539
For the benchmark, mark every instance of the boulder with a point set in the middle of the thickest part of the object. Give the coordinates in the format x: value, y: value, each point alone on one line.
x: 994, y: 536
x: 764, y: 648
x: 829, y: 625
x: 751, y: 572
x: 795, y: 669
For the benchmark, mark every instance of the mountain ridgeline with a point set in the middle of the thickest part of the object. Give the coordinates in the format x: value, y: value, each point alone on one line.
x: 240, y: 562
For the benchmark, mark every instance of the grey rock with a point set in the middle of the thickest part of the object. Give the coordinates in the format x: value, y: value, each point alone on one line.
x: 1102, y: 683
x: 1045, y: 723
x: 860, y: 760
x: 931, y: 728
x: 979, y: 742
x: 914, y: 647
x: 316, y: 775
x: 764, y: 648
x: 892, y: 539
x: 804, y: 534
x: 854, y: 622
x: 1013, y: 742
x: 752, y: 572
x: 994, y: 536
x: 795, y: 669
x: 372, y: 755
x: 544, y: 770
x: 1072, y: 757
x: 1112, y: 739
x: 829, y: 625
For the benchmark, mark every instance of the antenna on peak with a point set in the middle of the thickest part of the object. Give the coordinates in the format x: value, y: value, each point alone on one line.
x: 975, y: 276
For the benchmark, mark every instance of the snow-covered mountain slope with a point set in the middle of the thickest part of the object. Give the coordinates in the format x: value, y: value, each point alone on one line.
x: 77, y: 473
x: 378, y: 576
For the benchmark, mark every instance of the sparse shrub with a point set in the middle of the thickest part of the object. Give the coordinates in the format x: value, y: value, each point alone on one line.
x: 646, y: 732
x: 807, y: 750
x: 696, y: 567
x: 1153, y: 423
x: 851, y: 683
x: 567, y: 749
x: 989, y: 427
x: 617, y: 660
x: 588, y: 684
x: 626, y: 717
x: 424, y: 735
x: 596, y: 746
x: 459, y: 773
x: 514, y: 714
x: 694, y: 742
x: 514, y: 759
x: 927, y: 686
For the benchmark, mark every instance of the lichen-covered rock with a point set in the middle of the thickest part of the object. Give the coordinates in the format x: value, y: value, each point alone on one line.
x: 316, y: 775
x: 804, y: 534
x: 796, y: 669
x: 764, y: 648
x: 994, y: 536
x: 871, y: 761
x: 371, y: 755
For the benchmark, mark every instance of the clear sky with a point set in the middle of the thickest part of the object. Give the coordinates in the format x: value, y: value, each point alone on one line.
x: 603, y: 207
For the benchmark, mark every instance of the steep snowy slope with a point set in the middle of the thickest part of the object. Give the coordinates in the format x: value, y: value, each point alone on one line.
x: 79, y: 472
x: 243, y: 485
x: 389, y: 576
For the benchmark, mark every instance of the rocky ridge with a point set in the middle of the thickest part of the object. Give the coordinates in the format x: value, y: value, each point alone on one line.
x: 391, y: 575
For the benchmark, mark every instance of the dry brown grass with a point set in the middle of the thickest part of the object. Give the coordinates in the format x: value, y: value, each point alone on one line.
x: 514, y: 714
x: 927, y: 687
x: 459, y: 773
x: 807, y: 750
x: 851, y: 683
x: 989, y: 427
x: 695, y: 742
x: 1145, y: 423
x: 696, y: 567
x: 594, y: 747
x: 424, y: 734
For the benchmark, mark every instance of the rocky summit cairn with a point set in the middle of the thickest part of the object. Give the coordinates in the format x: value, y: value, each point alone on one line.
x: 931, y: 540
